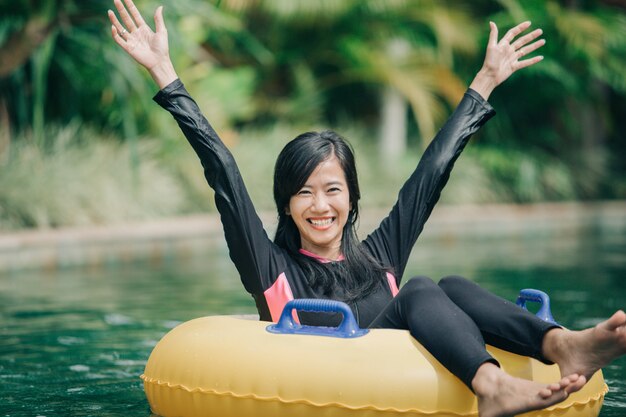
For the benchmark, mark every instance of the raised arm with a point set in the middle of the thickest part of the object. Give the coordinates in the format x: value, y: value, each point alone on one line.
x: 150, y: 49
x: 393, y: 240
x: 251, y: 250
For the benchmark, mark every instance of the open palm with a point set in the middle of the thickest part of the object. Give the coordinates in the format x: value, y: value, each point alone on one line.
x: 504, y: 57
x: 148, y: 48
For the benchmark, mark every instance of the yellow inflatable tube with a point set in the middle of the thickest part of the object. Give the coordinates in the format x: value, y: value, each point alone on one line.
x: 231, y: 367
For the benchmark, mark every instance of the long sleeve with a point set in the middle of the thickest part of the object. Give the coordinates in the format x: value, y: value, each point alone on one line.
x: 250, y: 248
x: 393, y: 240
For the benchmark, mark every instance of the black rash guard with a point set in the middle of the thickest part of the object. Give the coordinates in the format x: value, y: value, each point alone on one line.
x: 269, y: 272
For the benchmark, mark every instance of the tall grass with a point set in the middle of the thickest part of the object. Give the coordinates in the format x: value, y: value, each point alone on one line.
x: 81, y: 177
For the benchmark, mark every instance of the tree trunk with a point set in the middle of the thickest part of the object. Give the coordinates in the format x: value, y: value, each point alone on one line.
x: 393, y: 132
x: 393, y: 124
x: 592, y: 157
x: 5, y: 131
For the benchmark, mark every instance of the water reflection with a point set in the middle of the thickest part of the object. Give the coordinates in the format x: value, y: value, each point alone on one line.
x: 75, y: 341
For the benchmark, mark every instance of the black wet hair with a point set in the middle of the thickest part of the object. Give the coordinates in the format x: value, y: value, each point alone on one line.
x: 359, y: 273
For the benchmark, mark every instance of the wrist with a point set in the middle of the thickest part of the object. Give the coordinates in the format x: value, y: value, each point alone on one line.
x: 484, y: 83
x: 163, y: 73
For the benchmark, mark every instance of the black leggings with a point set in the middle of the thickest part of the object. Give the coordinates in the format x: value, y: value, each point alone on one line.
x: 454, y: 320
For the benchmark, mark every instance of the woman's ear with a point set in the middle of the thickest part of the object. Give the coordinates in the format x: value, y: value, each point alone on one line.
x: 287, y: 211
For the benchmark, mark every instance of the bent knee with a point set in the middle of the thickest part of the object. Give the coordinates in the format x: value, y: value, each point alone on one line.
x: 418, y: 284
x: 453, y: 283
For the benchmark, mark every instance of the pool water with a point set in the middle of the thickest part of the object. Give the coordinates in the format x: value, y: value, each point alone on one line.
x: 74, y: 342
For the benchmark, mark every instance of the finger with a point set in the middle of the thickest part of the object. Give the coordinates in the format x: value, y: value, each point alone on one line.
x: 134, y: 12
x: 513, y: 32
x: 116, y: 23
x: 527, y: 38
x: 530, y: 48
x: 128, y: 21
x: 117, y: 38
x: 158, y: 20
x: 113, y: 18
x: 528, y: 62
x: 493, y: 34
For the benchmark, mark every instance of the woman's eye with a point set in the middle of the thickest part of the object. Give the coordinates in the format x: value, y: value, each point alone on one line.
x: 334, y: 190
x: 304, y: 192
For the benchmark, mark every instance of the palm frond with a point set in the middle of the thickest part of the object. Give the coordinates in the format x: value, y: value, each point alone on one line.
x: 515, y: 9
x: 583, y: 32
x: 416, y: 76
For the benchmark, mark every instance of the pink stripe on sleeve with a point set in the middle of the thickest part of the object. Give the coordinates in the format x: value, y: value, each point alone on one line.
x: 392, y: 284
x: 277, y: 296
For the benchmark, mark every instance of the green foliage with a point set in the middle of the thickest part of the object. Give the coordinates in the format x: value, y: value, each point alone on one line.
x: 346, y: 47
x: 558, y: 112
x: 261, y: 69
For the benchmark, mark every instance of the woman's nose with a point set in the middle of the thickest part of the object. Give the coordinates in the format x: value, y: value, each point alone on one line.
x: 320, y: 203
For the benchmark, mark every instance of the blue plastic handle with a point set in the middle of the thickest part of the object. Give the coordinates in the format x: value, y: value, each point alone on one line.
x: 536, y: 296
x: 347, y: 329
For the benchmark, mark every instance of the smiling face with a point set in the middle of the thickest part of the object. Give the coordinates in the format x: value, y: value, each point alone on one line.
x: 320, y: 209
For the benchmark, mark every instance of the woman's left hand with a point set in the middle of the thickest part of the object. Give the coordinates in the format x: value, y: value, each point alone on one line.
x: 504, y: 57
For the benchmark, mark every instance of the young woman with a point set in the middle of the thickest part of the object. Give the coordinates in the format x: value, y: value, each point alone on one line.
x: 316, y: 254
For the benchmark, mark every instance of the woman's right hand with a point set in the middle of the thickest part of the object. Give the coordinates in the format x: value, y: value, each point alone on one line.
x: 148, y: 48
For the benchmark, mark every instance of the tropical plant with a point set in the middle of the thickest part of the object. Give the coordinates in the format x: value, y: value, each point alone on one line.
x: 568, y: 113
x: 58, y: 63
x: 340, y: 54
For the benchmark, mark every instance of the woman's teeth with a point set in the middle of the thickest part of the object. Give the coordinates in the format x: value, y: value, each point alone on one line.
x: 324, y: 222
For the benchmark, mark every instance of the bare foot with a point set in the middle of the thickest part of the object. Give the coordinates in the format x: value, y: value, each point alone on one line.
x: 501, y: 395
x: 584, y: 352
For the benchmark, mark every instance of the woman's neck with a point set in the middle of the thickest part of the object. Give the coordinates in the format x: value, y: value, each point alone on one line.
x: 322, y: 257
